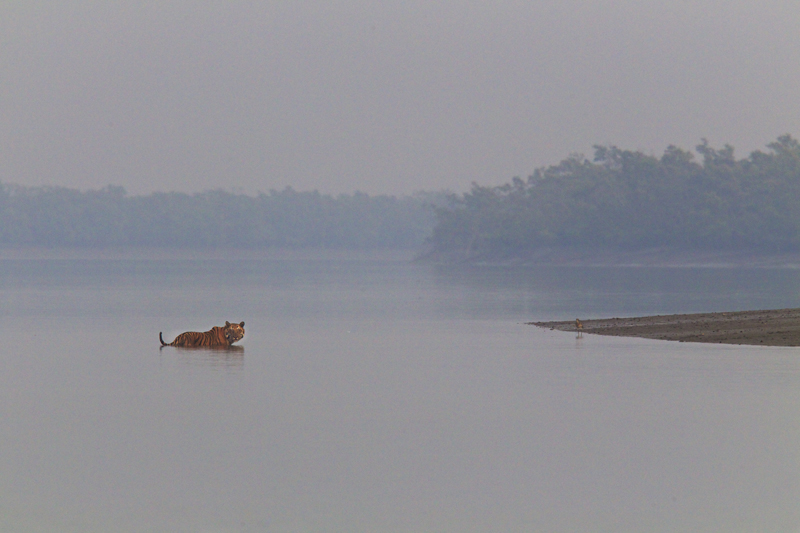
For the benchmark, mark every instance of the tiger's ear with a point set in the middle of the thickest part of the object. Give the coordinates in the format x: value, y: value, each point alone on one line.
x: 242, y: 323
x: 227, y: 324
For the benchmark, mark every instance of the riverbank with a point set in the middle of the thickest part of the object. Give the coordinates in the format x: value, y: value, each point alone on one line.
x: 608, y: 257
x: 779, y: 327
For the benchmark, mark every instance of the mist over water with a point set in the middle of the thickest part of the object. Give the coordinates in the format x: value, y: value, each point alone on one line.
x: 378, y: 394
x: 377, y: 97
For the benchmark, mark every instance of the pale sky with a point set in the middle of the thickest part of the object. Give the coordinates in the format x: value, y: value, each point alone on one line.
x: 381, y: 97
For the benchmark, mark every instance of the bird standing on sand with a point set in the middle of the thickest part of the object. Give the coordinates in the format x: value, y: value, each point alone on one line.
x: 578, y: 324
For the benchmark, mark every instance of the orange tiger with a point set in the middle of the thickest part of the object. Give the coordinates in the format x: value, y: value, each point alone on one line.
x: 214, y: 338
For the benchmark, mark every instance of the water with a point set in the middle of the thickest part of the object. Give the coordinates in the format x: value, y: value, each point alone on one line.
x: 378, y: 395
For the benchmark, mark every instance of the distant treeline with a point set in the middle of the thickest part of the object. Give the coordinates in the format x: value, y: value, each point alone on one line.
x: 628, y: 200
x: 54, y: 216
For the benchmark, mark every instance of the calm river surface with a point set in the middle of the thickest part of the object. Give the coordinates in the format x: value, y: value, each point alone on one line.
x: 374, y: 394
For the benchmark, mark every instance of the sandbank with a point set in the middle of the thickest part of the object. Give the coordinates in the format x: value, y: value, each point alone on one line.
x: 778, y: 327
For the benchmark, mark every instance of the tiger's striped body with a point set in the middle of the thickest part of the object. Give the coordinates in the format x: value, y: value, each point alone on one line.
x: 216, y: 337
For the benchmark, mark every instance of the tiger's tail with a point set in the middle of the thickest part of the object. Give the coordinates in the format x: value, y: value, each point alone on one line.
x: 162, y: 339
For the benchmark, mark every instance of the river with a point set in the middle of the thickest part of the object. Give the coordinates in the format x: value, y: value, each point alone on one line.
x: 377, y: 394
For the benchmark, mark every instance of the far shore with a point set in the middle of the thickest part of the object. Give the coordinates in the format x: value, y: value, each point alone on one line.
x: 778, y: 327
x: 661, y: 257
x: 177, y: 253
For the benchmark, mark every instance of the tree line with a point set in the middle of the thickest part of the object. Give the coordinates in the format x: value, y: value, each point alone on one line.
x: 57, y: 216
x: 629, y: 200
x: 621, y: 199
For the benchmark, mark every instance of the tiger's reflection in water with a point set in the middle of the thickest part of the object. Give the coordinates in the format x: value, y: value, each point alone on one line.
x: 217, y: 358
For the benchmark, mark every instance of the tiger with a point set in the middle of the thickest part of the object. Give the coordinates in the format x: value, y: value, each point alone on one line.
x: 216, y: 337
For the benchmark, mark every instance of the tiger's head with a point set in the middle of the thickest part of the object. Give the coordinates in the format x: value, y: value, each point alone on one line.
x: 234, y: 332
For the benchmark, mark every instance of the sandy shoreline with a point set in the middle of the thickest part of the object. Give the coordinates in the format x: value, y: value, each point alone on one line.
x: 779, y: 327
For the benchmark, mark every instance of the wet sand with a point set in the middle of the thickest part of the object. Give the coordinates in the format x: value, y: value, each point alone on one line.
x: 779, y: 327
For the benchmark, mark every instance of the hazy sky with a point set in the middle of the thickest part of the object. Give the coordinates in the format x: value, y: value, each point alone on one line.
x: 382, y: 97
